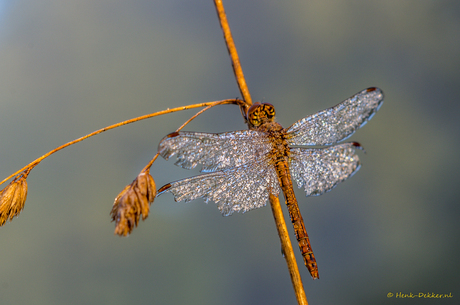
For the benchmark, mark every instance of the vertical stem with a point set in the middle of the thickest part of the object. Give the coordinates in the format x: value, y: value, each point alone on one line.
x: 288, y: 252
x: 233, y: 53
x: 274, y: 201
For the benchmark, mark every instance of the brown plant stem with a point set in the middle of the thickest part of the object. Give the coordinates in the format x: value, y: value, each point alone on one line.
x: 233, y: 54
x: 147, y: 167
x: 135, y: 199
x: 286, y: 245
x: 288, y: 252
x: 208, y: 104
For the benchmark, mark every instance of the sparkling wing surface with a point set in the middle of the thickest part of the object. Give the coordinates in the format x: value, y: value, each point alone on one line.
x: 238, y: 189
x: 318, y: 170
x: 337, y: 123
x: 214, y: 151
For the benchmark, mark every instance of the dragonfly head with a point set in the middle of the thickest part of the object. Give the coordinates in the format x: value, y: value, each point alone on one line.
x: 259, y: 114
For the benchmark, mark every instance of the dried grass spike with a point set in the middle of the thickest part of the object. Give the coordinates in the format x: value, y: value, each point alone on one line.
x: 132, y: 202
x: 152, y: 188
x: 12, y: 199
x: 141, y: 190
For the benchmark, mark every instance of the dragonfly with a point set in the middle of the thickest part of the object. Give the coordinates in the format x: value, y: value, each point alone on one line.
x: 243, y: 167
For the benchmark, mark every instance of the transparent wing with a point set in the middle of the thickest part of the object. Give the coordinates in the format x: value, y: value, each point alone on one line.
x: 214, y: 151
x: 318, y: 170
x: 236, y: 189
x: 337, y: 123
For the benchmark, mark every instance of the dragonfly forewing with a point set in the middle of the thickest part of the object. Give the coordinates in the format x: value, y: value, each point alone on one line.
x: 337, y: 123
x: 238, y: 189
x: 214, y: 151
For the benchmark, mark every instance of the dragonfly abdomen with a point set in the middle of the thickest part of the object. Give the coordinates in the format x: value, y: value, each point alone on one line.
x: 303, y: 240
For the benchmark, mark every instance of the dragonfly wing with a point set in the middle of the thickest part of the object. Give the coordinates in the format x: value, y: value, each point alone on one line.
x: 238, y: 189
x: 337, y: 123
x: 318, y: 170
x: 214, y: 151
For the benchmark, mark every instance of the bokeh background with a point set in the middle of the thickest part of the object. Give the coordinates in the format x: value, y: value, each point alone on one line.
x: 70, y: 67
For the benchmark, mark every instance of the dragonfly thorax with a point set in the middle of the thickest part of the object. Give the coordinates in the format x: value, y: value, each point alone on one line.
x: 259, y: 114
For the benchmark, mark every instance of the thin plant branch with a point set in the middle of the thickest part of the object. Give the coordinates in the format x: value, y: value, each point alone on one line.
x: 286, y: 245
x: 212, y: 104
x: 288, y: 252
x: 233, y: 54
x: 133, y: 202
x: 140, y: 118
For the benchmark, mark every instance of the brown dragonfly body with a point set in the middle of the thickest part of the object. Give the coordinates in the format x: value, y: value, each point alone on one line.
x: 244, y: 167
x: 260, y: 117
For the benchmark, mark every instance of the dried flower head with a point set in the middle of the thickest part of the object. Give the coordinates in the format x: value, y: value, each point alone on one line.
x: 12, y: 198
x: 134, y: 200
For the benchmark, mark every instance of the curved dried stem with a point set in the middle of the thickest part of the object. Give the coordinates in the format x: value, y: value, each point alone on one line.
x: 140, y: 118
x: 133, y: 202
x: 212, y: 104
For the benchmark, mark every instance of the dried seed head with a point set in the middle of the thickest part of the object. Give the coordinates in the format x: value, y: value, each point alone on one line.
x: 134, y: 200
x: 12, y: 199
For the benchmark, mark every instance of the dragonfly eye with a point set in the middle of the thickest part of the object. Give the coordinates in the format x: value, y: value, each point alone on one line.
x: 260, y: 113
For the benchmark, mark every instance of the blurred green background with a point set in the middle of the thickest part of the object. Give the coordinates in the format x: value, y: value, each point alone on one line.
x: 70, y: 67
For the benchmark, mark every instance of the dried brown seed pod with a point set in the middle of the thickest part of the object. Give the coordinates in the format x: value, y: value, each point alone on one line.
x: 13, y: 198
x: 132, y: 202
